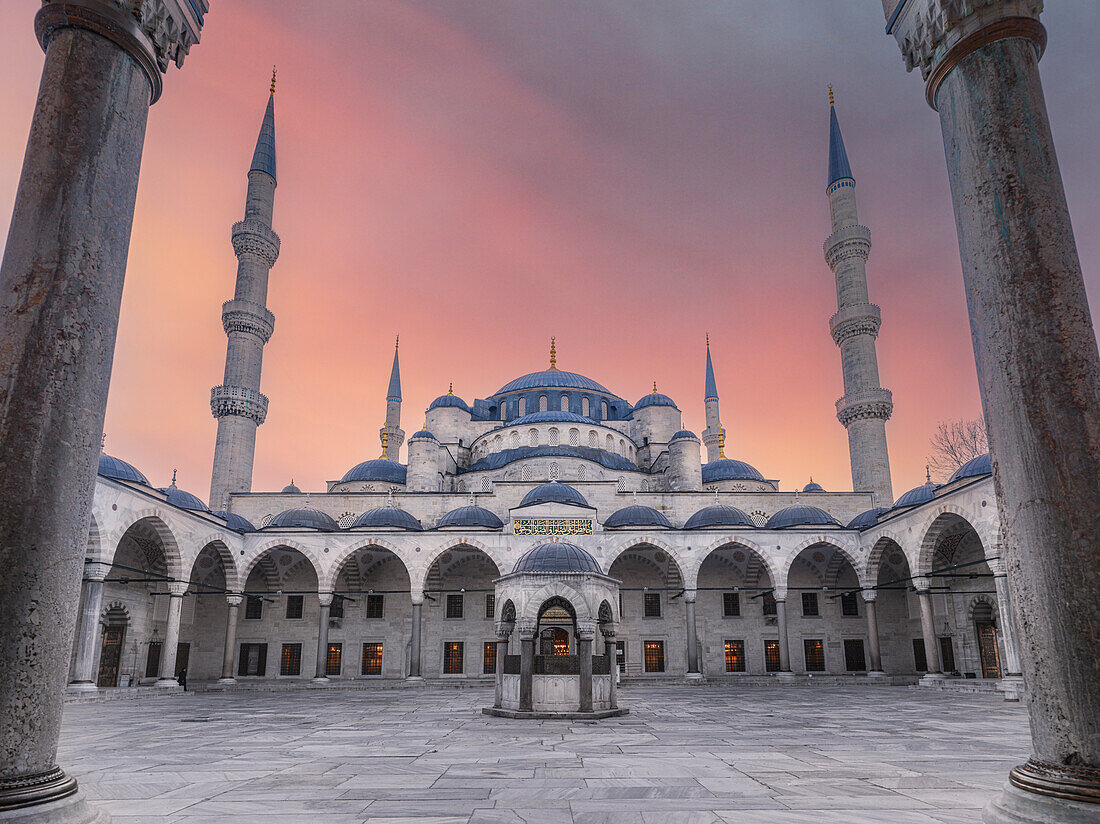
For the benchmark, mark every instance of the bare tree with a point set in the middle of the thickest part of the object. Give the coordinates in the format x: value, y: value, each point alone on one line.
x: 955, y: 443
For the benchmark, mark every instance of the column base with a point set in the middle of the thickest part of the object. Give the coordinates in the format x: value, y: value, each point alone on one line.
x: 321, y: 679
x: 167, y: 683
x: 229, y: 680
x: 694, y: 676
x: 82, y: 687
x: 877, y: 674
x: 1016, y: 806
x: 787, y: 677
x: 46, y: 798
x: 932, y: 678
x: 414, y: 678
x: 1013, y: 687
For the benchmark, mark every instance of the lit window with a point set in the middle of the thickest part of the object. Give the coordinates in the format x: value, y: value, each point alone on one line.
x: 489, y: 658
x: 814, y: 649
x: 375, y: 606
x: 452, y: 657
x: 735, y: 656
x: 454, y: 606
x: 849, y: 605
x: 731, y: 604
x: 333, y: 659
x: 490, y: 605
x: 652, y: 602
x: 253, y: 607
x: 809, y: 604
x: 291, y: 661
x: 372, y: 658
x: 771, y: 656
x: 654, y: 656
x: 294, y: 606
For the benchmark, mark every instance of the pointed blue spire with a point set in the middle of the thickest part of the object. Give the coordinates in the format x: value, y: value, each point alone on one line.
x: 711, y: 393
x: 263, y: 159
x: 394, y: 392
x: 838, y: 158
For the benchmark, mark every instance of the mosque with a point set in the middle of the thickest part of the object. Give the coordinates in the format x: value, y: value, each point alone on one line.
x: 546, y: 528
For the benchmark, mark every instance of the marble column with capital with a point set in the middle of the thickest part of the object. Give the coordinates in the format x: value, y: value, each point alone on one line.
x: 780, y: 596
x: 873, y: 647
x: 527, y: 630
x: 414, y: 641
x: 233, y: 605
x: 692, y: 636
x: 933, y: 669
x: 612, y: 652
x: 585, y: 636
x: 89, y: 630
x: 320, y: 673
x: 60, y: 291
x: 504, y: 635
x: 166, y: 677
x: 1038, y: 372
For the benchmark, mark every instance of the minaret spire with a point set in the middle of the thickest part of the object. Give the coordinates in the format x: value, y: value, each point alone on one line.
x: 392, y: 434
x: 237, y: 404
x: 865, y: 406
x: 712, y: 433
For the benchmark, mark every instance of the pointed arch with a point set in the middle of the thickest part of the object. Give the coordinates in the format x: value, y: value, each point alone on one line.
x: 419, y: 583
x: 851, y: 555
x: 764, y: 559
x: 220, y: 547
x: 156, y: 520
x: 531, y: 604
x: 264, y: 550
x: 939, y: 521
x: 327, y: 581
x: 683, y: 564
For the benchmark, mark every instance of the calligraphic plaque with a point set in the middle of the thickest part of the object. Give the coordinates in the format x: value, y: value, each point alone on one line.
x: 553, y: 526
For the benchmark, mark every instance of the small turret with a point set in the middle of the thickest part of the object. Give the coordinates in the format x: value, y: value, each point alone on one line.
x: 684, y: 463
x: 423, y: 470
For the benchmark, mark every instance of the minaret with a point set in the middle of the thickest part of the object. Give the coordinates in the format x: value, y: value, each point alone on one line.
x: 237, y: 404
x: 714, y: 421
x: 866, y: 406
x: 392, y: 434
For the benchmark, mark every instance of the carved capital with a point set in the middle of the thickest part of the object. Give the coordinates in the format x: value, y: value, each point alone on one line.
x: 245, y: 316
x: 860, y: 319
x: 869, y: 595
x: 868, y: 403
x: 527, y: 628
x: 607, y: 629
x: 177, y: 589
x: 234, y: 600
x: 238, y: 400
x: 779, y: 594
x: 324, y: 598
x: 505, y: 629
x: 922, y: 584
x: 96, y: 572
x: 251, y: 237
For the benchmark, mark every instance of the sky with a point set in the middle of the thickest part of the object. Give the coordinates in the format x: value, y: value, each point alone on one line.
x: 480, y: 175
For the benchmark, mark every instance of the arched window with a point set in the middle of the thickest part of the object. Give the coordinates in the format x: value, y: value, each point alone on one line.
x: 486, y: 485
x: 525, y: 473
x: 622, y: 483
x: 582, y: 472
x: 522, y: 406
x: 515, y: 440
x: 574, y: 437
x: 593, y: 438
x: 622, y: 447
x: 610, y: 444
x: 543, y: 403
x: 645, y: 485
x: 564, y: 403
x: 502, y: 406
x: 603, y: 410
x: 553, y: 436
x: 498, y: 442
x: 533, y: 437
x: 586, y: 407
x: 554, y: 471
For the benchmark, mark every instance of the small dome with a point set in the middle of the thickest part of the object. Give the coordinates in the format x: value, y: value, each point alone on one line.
x: 236, y: 522
x: 866, y: 520
x: 387, y: 517
x: 684, y: 435
x: 120, y: 470
x: 654, y: 399
x: 812, y: 487
x: 918, y: 495
x: 449, y: 402
x: 184, y: 500
x: 727, y: 469
x: 554, y: 493
x: 304, y: 518
x: 801, y: 515
x: 551, y: 417
x: 423, y: 433
x: 552, y: 379
x: 291, y: 489
x: 974, y: 468
x: 637, y: 516
x: 378, y: 469
x: 475, y: 517
x: 557, y: 557
x: 718, y: 515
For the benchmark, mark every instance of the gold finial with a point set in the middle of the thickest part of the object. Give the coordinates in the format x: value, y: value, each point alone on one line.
x: 722, y: 444
x: 553, y: 354
x: 385, y: 444
x: 451, y: 388
x: 927, y: 474
x: 830, y: 94
x: 397, y: 342
x: 654, y: 387
x: 273, y: 80
x: 708, y: 340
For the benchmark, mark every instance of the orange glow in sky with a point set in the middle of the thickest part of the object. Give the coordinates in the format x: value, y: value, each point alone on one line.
x: 477, y: 176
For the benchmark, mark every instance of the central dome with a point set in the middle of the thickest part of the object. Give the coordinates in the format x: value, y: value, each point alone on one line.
x: 557, y: 557
x: 552, y: 379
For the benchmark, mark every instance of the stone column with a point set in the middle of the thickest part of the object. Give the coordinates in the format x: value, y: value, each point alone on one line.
x: 320, y: 674
x: 526, y: 664
x: 934, y: 671
x: 167, y: 675
x: 60, y: 290
x: 1038, y: 373
x: 872, y: 634
x: 784, y: 642
x: 229, y: 656
x: 1012, y: 680
x: 504, y: 633
x: 91, y: 605
x: 613, y: 666
x: 585, y: 634
x: 692, y: 638
x: 414, y: 642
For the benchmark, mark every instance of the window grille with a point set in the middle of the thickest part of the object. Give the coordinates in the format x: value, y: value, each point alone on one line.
x: 574, y: 437
x: 454, y: 606
x: 525, y: 473
x: 593, y: 439
x: 291, y: 661
x: 582, y: 472
x: 771, y: 656
x: 809, y: 605
x: 652, y: 601
x: 735, y: 656
x: 586, y: 407
x: 376, y: 605
x: 731, y: 604
x: 515, y: 440
x: 544, y: 403
x: 253, y: 607
x: 814, y: 650
x: 333, y: 659
x: 621, y: 486
x: 489, y: 658
x: 564, y: 403
x: 452, y: 657
x: 486, y: 485
x: 603, y: 410
x: 554, y: 471
x: 610, y: 443
x: 553, y: 436
x: 849, y: 605
x: 265, y: 520
x: 770, y: 605
x: 645, y: 485
x: 372, y: 658
x: 533, y: 437
x: 294, y: 606
x: 854, y: 659
x: 346, y: 520
x: 758, y: 518
x: 490, y: 605
x: 522, y: 406
x: 654, y: 656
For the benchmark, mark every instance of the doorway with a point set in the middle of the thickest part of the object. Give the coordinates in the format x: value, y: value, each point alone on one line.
x: 110, y: 656
x: 986, y: 629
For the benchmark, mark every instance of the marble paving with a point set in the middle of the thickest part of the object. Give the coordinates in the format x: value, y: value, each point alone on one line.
x: 685, y: 755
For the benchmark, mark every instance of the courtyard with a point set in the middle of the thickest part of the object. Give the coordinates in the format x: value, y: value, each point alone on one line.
x: 713, y: 753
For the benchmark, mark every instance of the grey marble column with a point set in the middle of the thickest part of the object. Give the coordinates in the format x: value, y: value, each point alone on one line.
x: 872, y: 633
x: 89, y: 629
x: 612, y: 653
x: 233, y: 603
x: 60, y: 290
x: 320, y: 674
x: 584, y: 657
x: 526, y: 671
x: 784, y: 642
x: 167, y: 675
x: 1038, y: 374
x: 504, y: 632
x: 692, y: 637
x: 414, y: 643
x: 934, y: 669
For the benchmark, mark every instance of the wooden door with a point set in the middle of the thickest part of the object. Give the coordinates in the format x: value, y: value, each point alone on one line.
x: 987, y: 650
x: 110, y: 657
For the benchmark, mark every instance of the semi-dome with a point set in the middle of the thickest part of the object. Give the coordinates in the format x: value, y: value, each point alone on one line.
x: 552, y: 379
x: 236, y: 522
x: 304, y: 518
x: 551, y: 417
x: 378, y: 469
x: 801, y: 515
x: 684, y: 435
x: 866, y: 520
x: 183, y: 500
x: 812, y: 487
x: 917, y: 495
x: 120, y: 470
x: 554, y: 493
x: 654, y: 399
x: 974, y: 468
x: 291, y: 489
x: 449, y: 402
x: 718, y: 515
x: 557, y: 557
x: 728, y: 469
x: 637, y: 515
x: 470, y: 517
x: 387, y: 517
x: 423, y: 433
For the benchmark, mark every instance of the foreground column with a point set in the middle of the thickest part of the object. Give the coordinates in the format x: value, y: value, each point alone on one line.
x: 230, y: 654
x: 414, y: 643
x: 1038, y: 372
x: 781, y: 619
x: 584, y: 656
x: 320, y: 675
x: 872, y: 633
x: 60, y: 289
x: 612, y: 656
x: 526, y: 664
x: 89, y: 631
x: 167, y: 675
x: 928, y: 630
x: 692, y: 637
